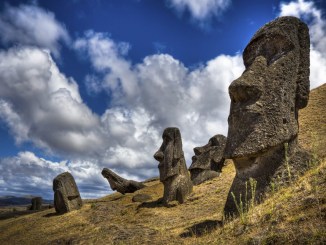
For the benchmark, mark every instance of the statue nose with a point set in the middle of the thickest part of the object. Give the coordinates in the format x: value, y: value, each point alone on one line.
x: 159, y: 156
x: 243, y: 90
x: 249, y: 86
x: 198, y: 150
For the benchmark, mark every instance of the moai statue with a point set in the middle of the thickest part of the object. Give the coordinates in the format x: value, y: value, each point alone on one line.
x: 265, y: 99
x: 208, y: 161
x: 172, y: 167
x: 120, y: 184
x: 66, y: 194
x: 36, y: 203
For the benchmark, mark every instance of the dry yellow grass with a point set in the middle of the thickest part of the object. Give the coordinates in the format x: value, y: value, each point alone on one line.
x: 312, y: 121
x: 115, y: 218
x: 291, y: 215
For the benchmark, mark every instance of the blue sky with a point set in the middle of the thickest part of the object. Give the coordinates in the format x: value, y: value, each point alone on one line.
x: 92, y: 84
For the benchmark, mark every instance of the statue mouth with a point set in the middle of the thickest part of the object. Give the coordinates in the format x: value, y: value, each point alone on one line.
x: 253, y: 107
x: 245, y: 115
x: 72, y: 197
x: 243, y: 124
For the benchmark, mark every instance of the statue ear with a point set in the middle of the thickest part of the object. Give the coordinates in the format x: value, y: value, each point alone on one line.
x: 303, y: 83
x: 177, y: 145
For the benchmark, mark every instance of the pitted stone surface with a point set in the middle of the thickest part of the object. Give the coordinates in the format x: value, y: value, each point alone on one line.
x: 66, y: 193
x: 265, y: 101
x: 172, y: 167
x: 208, y: 161
x: 120, y: 184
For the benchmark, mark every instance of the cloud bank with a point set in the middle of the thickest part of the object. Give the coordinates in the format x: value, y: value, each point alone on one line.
x: 41, y: 105
x: 160, y: 92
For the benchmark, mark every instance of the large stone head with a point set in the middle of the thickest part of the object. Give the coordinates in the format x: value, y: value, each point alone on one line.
x: 275, y: 84
x: 66, y: 193
x: 67, y: 184
x: 209, y: 156
x: 170, y: 154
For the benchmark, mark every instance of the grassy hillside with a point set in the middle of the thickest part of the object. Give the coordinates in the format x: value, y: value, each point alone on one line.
x: 312, y: 121
x: 292, y: 215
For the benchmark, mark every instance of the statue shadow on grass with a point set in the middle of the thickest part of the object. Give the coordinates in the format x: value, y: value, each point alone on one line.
x: 202, y: 228
x: 49, y: 215
x: 152, y: 204
x: 16, y: 214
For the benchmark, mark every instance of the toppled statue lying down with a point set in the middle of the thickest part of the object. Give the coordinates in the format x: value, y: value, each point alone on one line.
x: 120, y: 184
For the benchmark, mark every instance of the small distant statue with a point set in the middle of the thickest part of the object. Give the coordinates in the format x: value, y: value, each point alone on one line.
x: 208, y: 160
x: 120, y: 184
x: 265, y: 99
x: 36, y: 203
x: 66, y: 194
x: 172, y: 167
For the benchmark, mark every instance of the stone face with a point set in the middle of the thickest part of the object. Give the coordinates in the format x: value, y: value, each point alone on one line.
x: 172, y: 167
x: 36, y: 203
x: 208, y: 161
x: 66, y: 193
x: 120, y: 184
x: 264, y: 108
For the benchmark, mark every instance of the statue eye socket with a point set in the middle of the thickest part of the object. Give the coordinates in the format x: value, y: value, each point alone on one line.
x: 166, y: 138
x: 272, y: 48
x: 213, y: 142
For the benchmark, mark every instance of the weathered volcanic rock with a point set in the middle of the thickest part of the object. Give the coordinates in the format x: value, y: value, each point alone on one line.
x: 265, y: 99
x: 208, y: 160
x: 36, y: 203
x: 172, y: 167
x: 66, y: 194
x: 120, y: 184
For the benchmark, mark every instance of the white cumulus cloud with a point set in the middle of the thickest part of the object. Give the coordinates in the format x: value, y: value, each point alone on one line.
x: 43, y: 106
x: 32, y: 25
x: 200, y: 10
x: 156, y: 93
x: 108, y: 56
x: 307, y: 11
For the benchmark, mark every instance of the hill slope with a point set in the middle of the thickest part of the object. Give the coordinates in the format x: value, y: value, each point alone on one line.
x: 295, y: 215
x: 312, y: 121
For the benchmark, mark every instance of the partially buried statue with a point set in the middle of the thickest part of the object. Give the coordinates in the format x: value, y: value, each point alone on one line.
x: 66, y: 194
x: 208, y: 160
x: 36, y: 203
x: 263, y: 120
x: 172, y: 167
x: 120, y: 184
